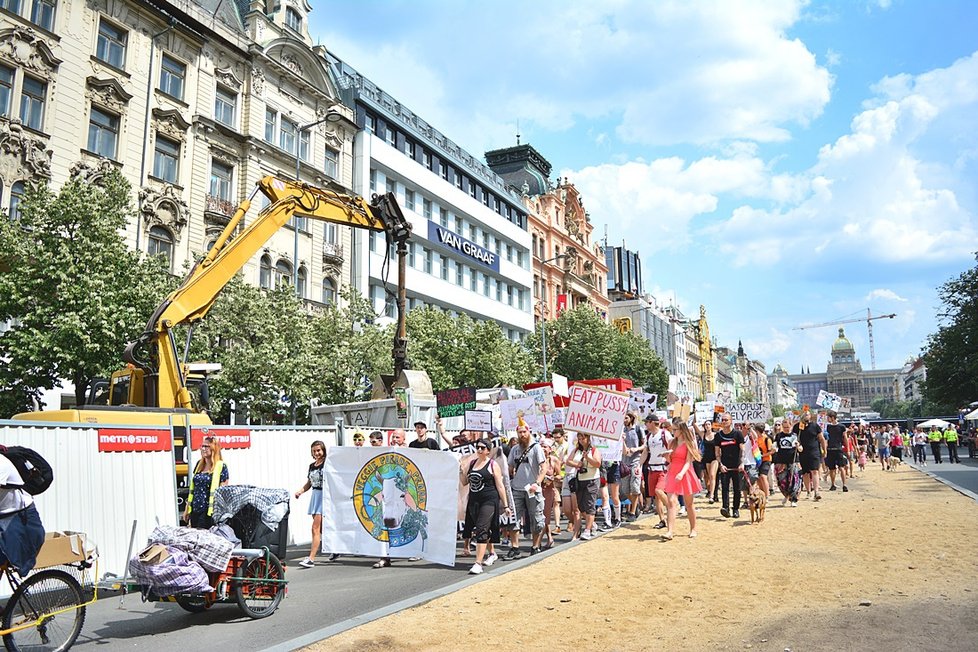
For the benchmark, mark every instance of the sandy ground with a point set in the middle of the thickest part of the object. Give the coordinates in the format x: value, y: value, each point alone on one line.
x: 891, y: 565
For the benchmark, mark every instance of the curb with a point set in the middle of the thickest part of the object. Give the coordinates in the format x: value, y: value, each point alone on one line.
x: 421, y: 598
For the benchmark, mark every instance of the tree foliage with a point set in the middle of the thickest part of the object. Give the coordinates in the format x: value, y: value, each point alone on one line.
x: 582, y: 345
x: 460, y: 352
x: 951, y: 353
x: 74, y: 292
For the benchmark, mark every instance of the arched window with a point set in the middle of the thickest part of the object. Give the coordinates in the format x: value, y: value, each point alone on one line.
x: 301, y: 290
x: 265, y: 273
x: 329, y: 291
x: 16, y: 194
x: 283, y: 273
x: 161, y: 244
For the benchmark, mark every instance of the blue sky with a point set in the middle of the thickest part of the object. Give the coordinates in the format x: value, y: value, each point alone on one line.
x: 782, y: 163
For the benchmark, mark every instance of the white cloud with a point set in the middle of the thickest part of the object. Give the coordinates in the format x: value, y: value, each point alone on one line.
x: 884, y: 293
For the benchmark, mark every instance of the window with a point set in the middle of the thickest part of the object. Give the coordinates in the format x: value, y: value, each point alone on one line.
x: 444, y: 263
x: 271, y: 117
x: 329, y: 233
x: 412, y: 260
x: 429, y: 259
x: 225, y: 106
x: 166, y: 159
x: 301, y: 291
x: 331, y: 166
x: 485, y: 284
x: 391, y: 137
x: 458, y: 179
x: 172, y: 75
x: 370, y: 123
x: 443, y: 217
x: 42, y: 14
x: 459, y: 274
x: 6, y: 89
x: 426, y: 208
x: 111, y: 45
x: 391, y: 186
x: 16, y: 195
x: 13, y: 6
x: 509, y: 294
x: 410, y: 149
x: 32, y: 98
x: 221, y: 180
x: 283, y: 273
x: 265, y: 273
x: 427, y: 160
x: 103, y: 133
x: 473, y: 280
x: 499, y: 290
x: 329, y: 291
x: 373, y: 181
x: 409, y: 199
x: 161, y: 244
x: 286, y: 135
x: 293, y: 19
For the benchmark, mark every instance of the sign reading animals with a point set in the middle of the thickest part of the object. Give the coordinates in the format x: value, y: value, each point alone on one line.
x: 748, y: 412
x: 596, y: 411
x: 454, y: 402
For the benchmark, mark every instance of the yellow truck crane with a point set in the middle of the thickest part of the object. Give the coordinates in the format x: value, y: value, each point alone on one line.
x: 154, y: 389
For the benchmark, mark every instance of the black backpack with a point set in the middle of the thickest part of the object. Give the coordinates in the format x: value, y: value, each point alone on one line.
x: 34, y: 470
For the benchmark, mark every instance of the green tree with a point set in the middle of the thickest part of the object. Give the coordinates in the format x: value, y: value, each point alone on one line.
x: 460, y: 352
x: 74, y: 292
x: 951, y: 354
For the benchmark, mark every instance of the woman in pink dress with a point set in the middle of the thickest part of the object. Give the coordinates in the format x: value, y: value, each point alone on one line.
x: 680, y: 477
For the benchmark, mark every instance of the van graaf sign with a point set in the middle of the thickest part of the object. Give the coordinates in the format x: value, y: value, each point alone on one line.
x: 440, y: 234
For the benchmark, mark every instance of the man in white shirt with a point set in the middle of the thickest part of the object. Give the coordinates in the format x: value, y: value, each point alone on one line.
x: 21, y: 531
x: 657, y: 441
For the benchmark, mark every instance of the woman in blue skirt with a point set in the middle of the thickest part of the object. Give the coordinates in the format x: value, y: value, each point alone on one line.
x: 315, y: 484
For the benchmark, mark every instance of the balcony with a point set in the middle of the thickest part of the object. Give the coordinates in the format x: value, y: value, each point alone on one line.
x: 332, y: 252
x: 217, y: 209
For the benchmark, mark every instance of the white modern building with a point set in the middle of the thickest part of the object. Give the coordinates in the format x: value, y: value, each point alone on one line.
x: 470, y: 248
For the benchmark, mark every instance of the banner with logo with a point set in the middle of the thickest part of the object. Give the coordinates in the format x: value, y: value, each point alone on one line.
x: 134, y: 440
x: 226, y: 437
x: 391, y: 502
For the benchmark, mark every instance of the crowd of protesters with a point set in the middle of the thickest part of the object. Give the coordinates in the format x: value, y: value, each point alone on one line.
x: 537, y: 485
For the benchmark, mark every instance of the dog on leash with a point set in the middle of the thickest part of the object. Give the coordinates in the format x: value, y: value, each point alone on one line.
x: 756, y: 502
x: 895, y: 462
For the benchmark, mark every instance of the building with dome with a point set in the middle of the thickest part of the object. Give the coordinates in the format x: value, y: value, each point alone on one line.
x: 846, y: 377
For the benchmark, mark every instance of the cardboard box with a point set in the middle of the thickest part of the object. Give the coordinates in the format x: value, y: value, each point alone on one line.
x: 62, y: 548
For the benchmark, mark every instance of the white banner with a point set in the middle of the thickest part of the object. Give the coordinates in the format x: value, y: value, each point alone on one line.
x: 391, y: 502
x: 703, y: 411
x: 478, y: 420
x: 642, y: 402
x: 829, y: 401
x: 748, y: 412
x: 610, y: 449
x: 596, y: 411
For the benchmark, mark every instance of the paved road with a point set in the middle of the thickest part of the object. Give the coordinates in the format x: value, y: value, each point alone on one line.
x: 964, y: 475
x: 318, y: 597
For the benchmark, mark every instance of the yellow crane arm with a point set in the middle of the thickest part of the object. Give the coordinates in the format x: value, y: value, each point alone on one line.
x: 199, y: 290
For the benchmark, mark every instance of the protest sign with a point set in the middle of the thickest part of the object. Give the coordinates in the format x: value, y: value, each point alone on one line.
x: 748, y: 412
x: 401, y: 402
x: 478, y: 420
x: 703, y: 410
x: 391, y: 502
x: 596, y: 411
x: 610, y: 449
x: 454, y: 402
x: 544, y: 408
x: 828, y: 400
x: 642, y: 402
x: 560, y: 384
x: 537, y: 411
x: 468, y: 448
x: 514, y: 409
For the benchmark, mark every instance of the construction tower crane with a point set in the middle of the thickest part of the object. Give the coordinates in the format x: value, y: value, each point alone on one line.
x: 869, y: 326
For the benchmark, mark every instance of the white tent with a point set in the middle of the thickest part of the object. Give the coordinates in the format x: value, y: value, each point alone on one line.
x: 931, y: 423
x: 972, y: 415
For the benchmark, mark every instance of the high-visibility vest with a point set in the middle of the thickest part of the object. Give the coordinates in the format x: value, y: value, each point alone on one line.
x: 950, y: 435
x: 215, y: 483
x: 934, y: 435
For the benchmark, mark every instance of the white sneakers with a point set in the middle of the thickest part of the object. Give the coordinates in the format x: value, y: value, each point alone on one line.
x: 491, y: 559
x: 476, y: 569
x: 682, y: 510
x: 306, y: 563
x: 586, y: 535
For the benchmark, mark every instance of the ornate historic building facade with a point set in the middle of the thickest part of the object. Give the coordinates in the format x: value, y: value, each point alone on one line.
x: 193, y: 102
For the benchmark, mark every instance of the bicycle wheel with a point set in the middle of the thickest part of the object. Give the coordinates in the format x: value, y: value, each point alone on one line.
x: 260, y: 599
x: 49, y: 602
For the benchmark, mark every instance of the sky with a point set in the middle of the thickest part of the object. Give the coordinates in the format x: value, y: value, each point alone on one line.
x: 782, y: 163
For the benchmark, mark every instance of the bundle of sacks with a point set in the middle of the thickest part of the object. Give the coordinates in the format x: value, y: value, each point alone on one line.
x: 178, y: 560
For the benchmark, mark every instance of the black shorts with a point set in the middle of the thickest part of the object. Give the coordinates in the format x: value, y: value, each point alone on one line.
x: 836, y: 459
x: 709, y: 454
x: 810, y: 463
x: 763, y: 468
x: 611, y: 472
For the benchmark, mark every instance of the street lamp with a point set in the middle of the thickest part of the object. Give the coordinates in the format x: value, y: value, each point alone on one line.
x: 331, y: 116
x: 543, y: 321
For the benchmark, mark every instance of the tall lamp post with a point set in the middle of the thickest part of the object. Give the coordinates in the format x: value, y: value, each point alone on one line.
x: 543, y: 320
x: 331, y: 116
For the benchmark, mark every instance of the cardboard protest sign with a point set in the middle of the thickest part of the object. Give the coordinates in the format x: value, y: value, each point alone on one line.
x: 537, y: 410
x: 596, y: 411
x: 478, y: 420
x: 610, y: 449
x: 703, y: 411
x: 454, y: 402
x: 748, y: 412
x: 560, y: 384
x: 515, y: 408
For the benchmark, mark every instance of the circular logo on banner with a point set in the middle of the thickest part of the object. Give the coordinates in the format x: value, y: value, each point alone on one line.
x: 389, y: 498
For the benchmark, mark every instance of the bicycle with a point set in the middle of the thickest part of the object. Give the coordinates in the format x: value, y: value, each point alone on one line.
x: 46, y: 610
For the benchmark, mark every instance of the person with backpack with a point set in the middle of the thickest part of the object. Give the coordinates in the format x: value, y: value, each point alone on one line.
x: 21, y: 530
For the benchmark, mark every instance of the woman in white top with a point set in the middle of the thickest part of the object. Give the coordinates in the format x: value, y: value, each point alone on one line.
x: 587, y: 460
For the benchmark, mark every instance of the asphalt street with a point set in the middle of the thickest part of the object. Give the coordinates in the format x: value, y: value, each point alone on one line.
x: 964, y: 475
x: 319, y: 597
